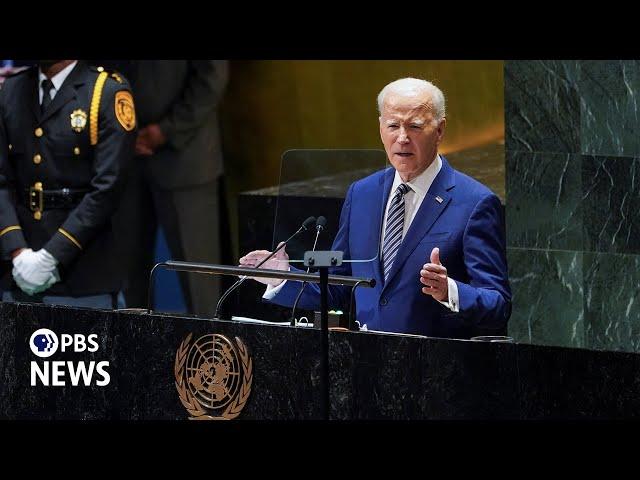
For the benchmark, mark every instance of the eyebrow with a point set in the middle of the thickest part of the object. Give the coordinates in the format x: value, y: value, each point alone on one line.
x: 411, y: 122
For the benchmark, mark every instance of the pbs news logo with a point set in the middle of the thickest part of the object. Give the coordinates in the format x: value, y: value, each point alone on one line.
x: 58, y: 373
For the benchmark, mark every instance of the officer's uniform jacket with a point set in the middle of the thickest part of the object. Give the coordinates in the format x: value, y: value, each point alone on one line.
x: 61, y: 172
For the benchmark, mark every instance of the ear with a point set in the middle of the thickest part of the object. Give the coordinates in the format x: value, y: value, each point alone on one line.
x: 440, y: 129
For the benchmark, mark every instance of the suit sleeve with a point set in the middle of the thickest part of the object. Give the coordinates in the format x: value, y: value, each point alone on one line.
x: 11, y: 237
x: 205, y: 85
x: 486, y: 299
x: 338, y: 295
x: 113, y: 150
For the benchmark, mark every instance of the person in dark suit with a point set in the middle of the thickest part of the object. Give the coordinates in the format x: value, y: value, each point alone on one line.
x: 67, y: 131
x: 437, y: 235
x: 174, y: 177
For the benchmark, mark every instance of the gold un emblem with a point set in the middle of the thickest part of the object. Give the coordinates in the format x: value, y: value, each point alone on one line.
x: 213, y: 377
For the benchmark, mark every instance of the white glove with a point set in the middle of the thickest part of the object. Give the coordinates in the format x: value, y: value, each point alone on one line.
x: 35, y: 272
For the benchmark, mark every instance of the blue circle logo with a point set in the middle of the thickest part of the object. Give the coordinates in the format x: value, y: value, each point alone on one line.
x: 44, y: 342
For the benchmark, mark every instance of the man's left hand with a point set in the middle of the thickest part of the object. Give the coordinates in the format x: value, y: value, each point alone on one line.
x: 434, y: 276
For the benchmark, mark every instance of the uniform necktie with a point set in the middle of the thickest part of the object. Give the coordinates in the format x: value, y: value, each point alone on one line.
x: 393, y: 230
x: 47, y: 85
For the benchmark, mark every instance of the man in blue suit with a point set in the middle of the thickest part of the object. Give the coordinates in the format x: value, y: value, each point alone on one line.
x: 437, y: 234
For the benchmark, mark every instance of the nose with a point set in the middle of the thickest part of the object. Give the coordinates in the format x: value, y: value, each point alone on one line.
x: 402, y: 136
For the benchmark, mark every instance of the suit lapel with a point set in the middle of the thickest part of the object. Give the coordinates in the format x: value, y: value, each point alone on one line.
x: 67, y: 91
x: 426, y: 216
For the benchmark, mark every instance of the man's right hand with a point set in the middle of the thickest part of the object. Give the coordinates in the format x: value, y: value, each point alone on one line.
x: 35, y: 272
x: 279, y: 262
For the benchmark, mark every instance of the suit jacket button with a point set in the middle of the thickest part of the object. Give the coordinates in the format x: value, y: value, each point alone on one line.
x: 383, y: 301
x: 37, y: 158
x: 39, y: 132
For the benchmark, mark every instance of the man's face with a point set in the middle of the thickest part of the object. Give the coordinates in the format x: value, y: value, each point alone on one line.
x: 409, y: 133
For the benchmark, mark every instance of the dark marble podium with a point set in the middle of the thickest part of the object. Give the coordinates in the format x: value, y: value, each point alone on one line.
x: 372, y: 376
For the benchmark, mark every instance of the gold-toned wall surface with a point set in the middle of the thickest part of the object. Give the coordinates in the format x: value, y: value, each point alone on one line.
x: 273, y: 106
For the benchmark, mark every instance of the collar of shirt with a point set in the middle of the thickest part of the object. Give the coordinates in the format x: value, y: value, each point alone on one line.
x: 413, y: 199
x: 421, y: 184
x: 57, y: 80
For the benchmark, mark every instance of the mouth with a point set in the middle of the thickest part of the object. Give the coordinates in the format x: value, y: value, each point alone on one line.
x: 403, y: 154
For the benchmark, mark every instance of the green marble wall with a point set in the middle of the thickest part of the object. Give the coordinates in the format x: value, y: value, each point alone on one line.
x: 572, y: 154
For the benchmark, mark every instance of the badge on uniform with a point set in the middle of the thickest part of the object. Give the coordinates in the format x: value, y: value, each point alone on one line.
x: 439, y: 199
x: 78, y: 120
x: 125, y: 111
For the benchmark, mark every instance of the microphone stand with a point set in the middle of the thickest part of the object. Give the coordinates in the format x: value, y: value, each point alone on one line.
x: 214, y: 269
x: 304, y: 284
x: 323, y: 260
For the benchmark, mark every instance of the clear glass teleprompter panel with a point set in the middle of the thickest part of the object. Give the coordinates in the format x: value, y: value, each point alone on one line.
x: 315, y: 183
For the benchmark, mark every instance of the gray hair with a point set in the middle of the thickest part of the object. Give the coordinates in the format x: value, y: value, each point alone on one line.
x: 411, y: 86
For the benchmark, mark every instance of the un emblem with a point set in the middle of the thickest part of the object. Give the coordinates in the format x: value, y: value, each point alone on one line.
x: 213, y: 377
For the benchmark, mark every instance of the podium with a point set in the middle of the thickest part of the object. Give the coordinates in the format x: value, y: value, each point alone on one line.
x: 372, y: 376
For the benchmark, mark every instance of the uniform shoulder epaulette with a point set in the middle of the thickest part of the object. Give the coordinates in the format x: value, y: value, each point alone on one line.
x: 117, y: 76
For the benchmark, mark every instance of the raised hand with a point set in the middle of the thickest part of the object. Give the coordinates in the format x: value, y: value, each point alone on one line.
x: 434, y: 276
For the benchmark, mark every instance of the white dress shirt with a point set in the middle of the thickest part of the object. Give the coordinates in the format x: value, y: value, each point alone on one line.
x: 57, y: 80
x: 413, y: 199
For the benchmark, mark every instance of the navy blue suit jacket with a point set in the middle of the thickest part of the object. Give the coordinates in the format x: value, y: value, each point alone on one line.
x: 467, y: 226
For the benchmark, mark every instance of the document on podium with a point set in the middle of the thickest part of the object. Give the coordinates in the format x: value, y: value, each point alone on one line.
x: 365, y: 329
x: 269, y: 322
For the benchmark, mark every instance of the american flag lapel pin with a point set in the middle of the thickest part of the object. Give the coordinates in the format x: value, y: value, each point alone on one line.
x: 439, y: 199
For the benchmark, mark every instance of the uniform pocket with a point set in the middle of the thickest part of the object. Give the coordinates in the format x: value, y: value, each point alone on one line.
x: 70, y: 144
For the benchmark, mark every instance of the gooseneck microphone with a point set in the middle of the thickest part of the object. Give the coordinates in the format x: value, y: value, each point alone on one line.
x: 305, y: 226
x: 320, y: 224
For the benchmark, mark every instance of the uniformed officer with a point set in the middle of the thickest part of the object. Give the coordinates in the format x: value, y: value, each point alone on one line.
x: 67, y: 130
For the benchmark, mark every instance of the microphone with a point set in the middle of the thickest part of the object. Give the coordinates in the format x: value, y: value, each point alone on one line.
x: 320, y: 224
x: 305, y: 226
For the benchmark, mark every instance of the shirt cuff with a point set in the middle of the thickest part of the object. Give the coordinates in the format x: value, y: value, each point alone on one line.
x: 454, y: 302
x: 271, y: 292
